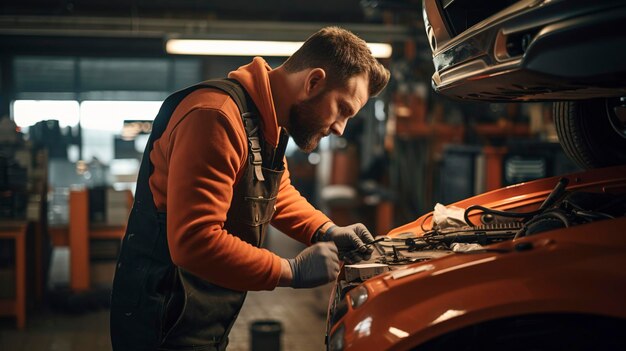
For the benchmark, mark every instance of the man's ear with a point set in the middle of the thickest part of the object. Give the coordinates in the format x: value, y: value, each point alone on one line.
x: 315, y: 81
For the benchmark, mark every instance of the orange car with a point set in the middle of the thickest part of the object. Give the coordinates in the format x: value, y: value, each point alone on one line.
x: 546, y: 273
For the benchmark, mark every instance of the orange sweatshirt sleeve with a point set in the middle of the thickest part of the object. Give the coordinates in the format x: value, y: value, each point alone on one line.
x: 295, y: 216
x: 204, y: 156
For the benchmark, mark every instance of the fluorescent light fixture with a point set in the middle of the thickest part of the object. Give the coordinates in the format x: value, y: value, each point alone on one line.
x: 250, y: 47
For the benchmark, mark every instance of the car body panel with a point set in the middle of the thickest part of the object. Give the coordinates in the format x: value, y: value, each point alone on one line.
x: 478, y: 63
x: 575, y: 270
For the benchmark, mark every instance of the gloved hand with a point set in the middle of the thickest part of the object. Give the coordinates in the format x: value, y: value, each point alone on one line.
x: 350, y: 242
x: 316, y: 265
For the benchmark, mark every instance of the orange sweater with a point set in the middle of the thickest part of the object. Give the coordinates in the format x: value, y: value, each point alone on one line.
x: 197, y: 162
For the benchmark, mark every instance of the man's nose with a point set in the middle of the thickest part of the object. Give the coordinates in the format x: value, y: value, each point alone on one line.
x: 338, y: 127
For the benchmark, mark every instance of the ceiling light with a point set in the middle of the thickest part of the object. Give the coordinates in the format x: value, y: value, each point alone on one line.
x: 250, y: 47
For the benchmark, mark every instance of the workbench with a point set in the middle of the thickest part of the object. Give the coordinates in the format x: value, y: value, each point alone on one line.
x: 17, y: 231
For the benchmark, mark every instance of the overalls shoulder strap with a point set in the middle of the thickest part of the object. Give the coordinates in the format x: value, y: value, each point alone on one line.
x: 249, y: 114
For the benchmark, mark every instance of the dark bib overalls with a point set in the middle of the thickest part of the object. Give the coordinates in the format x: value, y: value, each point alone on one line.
x: 156, y: 305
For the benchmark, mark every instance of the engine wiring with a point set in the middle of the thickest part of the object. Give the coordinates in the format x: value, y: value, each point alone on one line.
x: 554, y: 196
x: 560, y: 209
x: 552, y: 214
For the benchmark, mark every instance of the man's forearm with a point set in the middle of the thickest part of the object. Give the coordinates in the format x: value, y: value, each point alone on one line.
x: 286, y: 275
x: 319, y: 233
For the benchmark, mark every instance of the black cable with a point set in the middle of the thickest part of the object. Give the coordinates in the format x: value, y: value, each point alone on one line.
x: 496, y: 212
x: 555, y: 193
x: 424, y: 220
x: 593, y: 214
x: 549, y: 201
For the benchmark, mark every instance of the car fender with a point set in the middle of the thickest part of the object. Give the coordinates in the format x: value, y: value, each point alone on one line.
x: 571, y: 270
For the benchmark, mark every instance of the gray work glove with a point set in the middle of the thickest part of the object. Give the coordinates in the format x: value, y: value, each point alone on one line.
x: 316, y: 265
x: 350, y: 242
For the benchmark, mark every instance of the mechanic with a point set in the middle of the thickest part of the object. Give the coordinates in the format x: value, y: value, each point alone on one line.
x: 213, y: 178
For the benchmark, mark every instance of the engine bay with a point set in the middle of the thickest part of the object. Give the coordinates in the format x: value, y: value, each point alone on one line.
x: 560, y: 209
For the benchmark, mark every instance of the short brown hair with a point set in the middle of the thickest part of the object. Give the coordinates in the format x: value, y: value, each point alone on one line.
x: 342, y: 55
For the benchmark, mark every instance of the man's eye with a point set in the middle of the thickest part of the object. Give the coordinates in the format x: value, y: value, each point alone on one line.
x: 344, y: 110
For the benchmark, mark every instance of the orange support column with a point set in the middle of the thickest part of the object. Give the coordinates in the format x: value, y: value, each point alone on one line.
x: 79, y: 240
x: 16, y: 231
x: 130, y: 200
x: 493, y: 167
x: 20, y: 278
x: 384, y: 217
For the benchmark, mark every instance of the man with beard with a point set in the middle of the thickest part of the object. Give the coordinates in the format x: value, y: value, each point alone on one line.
x: 211, y: 181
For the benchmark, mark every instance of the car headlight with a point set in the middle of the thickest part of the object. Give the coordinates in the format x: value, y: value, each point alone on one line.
x: 358, y: 296
x: 335, y: 342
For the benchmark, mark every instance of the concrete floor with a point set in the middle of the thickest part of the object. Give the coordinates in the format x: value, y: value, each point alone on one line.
x: 298, y: 311
x: 301, y: 313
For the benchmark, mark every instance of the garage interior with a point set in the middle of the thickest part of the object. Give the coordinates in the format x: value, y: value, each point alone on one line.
x: 81, y: 81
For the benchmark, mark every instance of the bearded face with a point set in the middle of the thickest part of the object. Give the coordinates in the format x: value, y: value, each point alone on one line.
x: 306, y: 125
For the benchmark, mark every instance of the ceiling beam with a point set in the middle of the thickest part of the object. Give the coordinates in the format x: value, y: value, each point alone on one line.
x: 128, y: 27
